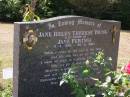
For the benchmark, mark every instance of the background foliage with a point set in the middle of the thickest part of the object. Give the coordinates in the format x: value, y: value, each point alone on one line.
x: 12, y: 10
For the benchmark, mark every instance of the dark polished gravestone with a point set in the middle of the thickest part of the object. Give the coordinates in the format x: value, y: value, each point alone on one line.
x: 45, y: 49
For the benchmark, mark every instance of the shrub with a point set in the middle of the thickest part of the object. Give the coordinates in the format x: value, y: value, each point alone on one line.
x: 51, y: 8
x: 10, y: 10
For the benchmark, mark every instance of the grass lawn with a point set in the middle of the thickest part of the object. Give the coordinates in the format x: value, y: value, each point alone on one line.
x: 6, y: 48
x: 6, y: 44
x: 124, y: 48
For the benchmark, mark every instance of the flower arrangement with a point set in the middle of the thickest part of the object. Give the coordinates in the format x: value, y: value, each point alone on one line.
x: 116, y: 84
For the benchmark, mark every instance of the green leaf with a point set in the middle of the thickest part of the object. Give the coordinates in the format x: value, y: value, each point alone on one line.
x: 127, y: 93
x: 85, y: 72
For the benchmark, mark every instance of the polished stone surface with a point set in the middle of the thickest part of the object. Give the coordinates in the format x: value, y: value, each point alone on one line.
x: 44, y: 50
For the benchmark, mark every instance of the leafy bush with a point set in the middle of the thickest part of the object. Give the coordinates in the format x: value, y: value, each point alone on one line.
x: 10, y: 10
x: 51, y: 8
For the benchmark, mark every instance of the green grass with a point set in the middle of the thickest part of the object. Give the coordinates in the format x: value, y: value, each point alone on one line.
x: 5, y: 85
x: 6, y: 62
x: 6, y: 88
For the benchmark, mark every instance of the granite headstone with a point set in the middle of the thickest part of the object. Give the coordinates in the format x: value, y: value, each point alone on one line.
x: 43, y: 50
